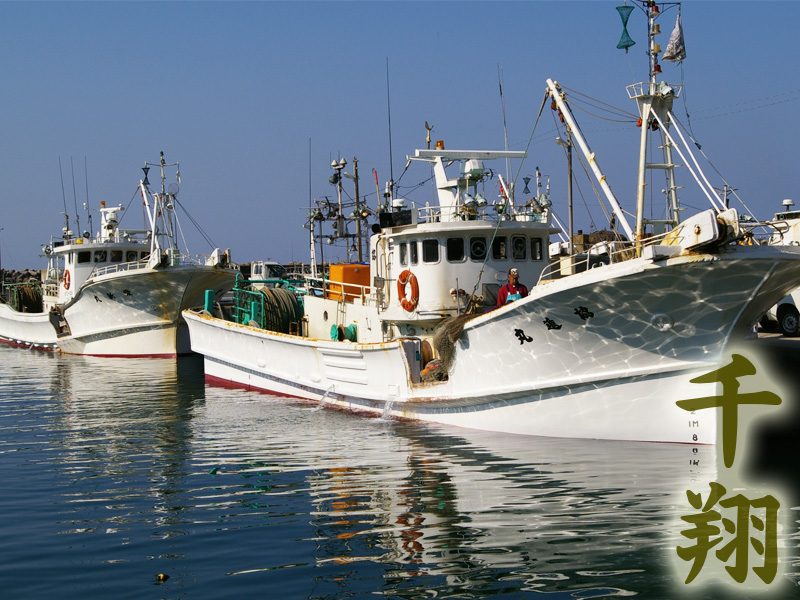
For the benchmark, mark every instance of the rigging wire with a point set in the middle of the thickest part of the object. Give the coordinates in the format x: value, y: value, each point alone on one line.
x: 711, y: 164
x: 206, y: 237
x: 597, y: 193
x: 792, y: 95
x: 583, y: 110
x: 530, y: 138
x: 602, y: 105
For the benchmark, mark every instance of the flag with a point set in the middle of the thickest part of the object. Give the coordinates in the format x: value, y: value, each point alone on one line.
x: 676, y: 49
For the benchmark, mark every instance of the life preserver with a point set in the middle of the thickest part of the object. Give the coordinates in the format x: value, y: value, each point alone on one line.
x: 65, y: 279
x: 407, y: 277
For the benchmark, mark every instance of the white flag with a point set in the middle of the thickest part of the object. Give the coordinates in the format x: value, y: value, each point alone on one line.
x: 676, y: 49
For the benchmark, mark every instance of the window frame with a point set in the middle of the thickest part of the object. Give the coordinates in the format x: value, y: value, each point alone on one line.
x: 430, y: 245
x: 463, y: 251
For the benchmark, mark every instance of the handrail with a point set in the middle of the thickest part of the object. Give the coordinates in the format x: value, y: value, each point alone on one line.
x: 118, y: 267
x: 347, y: 290
x: 517, y: 212
x: 620, y: 250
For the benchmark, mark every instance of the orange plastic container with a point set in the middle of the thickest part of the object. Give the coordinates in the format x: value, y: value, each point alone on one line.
x: 345, y: 279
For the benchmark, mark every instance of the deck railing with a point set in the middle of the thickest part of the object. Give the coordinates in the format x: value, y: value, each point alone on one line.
x: 119, y: 267
x: 517, y: 212
x: 603, y: 254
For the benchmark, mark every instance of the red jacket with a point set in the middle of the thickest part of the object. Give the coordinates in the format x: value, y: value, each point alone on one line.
x: 502, y: 295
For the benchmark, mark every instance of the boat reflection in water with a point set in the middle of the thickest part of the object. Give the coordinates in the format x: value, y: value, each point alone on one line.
x: 231, y: 491
x: 461, y: 511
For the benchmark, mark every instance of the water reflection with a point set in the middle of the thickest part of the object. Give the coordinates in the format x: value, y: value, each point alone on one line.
x: 466, y: 510
x: 135, y: 464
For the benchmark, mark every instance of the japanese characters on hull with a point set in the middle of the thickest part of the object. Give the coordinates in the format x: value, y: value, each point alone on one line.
x: 735, y: 527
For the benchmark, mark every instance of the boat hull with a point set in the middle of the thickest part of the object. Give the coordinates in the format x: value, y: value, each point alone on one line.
x: 27, y: 330
x: 629, y: 408
x: 604, y: 354
x: 123, y: 314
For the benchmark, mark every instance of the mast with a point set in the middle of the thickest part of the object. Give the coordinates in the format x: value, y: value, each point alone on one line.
x: 163, y: 206
x: 357, y: 210
x: 654, y: 99
x: 558, y: 96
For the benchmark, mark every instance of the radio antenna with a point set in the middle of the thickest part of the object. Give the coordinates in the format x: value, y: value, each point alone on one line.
x: 75, y: 199
x: 389, y: 109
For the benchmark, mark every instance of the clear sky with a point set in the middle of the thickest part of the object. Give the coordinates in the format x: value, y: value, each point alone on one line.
x: 254, y: 99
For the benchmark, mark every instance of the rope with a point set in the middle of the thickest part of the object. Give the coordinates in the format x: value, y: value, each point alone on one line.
x: 281, y: 307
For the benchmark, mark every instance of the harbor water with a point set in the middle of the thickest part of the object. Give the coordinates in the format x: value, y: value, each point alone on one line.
x: 126, y: 478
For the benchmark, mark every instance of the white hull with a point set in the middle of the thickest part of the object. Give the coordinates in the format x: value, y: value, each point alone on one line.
x: 27, y: 330
x: 613, y: 375
x: 622, y: 409
x: 127, y: 313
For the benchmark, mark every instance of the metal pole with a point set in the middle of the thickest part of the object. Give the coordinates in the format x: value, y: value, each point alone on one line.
x: 358, y: 208
x: 569, y: 190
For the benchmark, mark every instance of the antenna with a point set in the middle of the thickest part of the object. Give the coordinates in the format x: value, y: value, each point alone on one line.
x: 505, y: 127
x: 389, y: 108
x: 86, y: 180
x: 63, y: 194
x: 311, y: 222
x: 75, y: 199
x: 428, y: 128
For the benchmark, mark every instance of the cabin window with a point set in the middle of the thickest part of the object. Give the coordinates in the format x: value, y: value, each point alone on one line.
x: 455, y: 249
x: 145, y: 254
x: 131, y: 255
x: 116, y: 256
x: 536, y: 248
x: 276, y: 271
x: 84, y: 257
x: 499, y: 248
x: 100, y: 256
x: 518, y: 248
x: 412, y: 251
x: 430, y: 251
x: 477, y: 248
x: 403, y: 254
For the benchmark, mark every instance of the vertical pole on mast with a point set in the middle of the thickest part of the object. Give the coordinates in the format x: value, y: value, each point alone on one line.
x: 358, y: 209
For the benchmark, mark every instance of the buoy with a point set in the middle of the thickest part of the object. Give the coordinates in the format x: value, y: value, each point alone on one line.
x: 161, y: 577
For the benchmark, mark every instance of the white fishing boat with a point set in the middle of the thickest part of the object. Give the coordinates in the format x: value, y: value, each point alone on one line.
x: 602, y: 346
x: 119, y: 293
x: 785, y: 316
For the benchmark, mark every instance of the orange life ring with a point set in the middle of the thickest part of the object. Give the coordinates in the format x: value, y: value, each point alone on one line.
x: 65, y: 279
x: 407, y: 277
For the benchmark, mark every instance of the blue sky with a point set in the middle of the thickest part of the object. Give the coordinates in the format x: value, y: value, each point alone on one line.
x: 255, y: 99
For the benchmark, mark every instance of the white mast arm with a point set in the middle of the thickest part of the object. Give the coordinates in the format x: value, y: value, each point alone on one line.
x: 150, y: 217
x: 712, y: 196
x: 556, y: 95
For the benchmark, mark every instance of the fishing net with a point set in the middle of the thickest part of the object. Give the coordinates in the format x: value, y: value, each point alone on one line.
x: 625, y: 41
x: 26, y: 297
x: 446, y: 336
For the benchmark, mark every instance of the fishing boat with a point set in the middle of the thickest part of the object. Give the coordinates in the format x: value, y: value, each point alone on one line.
x: 119, y: 293
x: 603, y: 345
x: 785, y: 315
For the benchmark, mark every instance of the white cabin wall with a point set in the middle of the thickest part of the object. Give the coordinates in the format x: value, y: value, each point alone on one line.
x: 438, y: 279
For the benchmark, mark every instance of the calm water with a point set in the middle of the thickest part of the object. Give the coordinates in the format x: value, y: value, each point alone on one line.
x: 113, y: 471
